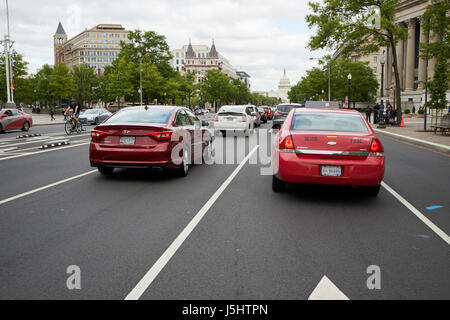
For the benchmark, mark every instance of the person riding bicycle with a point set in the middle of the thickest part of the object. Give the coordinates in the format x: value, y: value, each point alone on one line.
x: 75, y: 108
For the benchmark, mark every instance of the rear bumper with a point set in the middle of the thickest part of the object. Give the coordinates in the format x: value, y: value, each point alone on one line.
x: 232, y: 126
x: 157, y: 157
x: 295, y: 169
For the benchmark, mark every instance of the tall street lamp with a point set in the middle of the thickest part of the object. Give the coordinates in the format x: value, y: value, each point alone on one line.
x: 349, y: 77
x: 425, y: 105
x: 382, y: 61
x: 140, y: 77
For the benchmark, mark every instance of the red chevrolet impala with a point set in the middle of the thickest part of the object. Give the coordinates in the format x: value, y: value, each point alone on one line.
x: 327, y: 146
x: 156, y: 137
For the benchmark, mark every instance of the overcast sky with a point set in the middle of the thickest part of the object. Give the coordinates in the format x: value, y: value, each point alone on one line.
x: 261, y: 37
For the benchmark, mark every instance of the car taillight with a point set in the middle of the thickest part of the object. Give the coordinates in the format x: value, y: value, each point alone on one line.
x: 376, y: 146
x: 287, y: 144
x: 244, y: 119
x: 216, y: 118
x: 162, y: 136
x: 277, y: 113
x: 97, y: 134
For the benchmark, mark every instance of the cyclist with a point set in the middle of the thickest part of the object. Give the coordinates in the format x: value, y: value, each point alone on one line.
x: 75, y: 108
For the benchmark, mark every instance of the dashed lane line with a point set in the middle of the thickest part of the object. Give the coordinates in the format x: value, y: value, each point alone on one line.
x: 418, y: 214
x: 151, y: 274
x: 21, y: 195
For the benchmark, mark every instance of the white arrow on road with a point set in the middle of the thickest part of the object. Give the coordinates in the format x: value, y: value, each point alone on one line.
x: 327, y: 290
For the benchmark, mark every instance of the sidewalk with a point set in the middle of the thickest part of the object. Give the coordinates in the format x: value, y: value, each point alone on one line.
x: 413, y: 132
x: 42, y: 119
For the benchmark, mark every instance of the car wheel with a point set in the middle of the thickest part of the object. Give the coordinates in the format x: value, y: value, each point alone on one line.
x: 26, y: 126
x: 372, y: 191
x: 105, y: 170
x: 183, y: 170
x: 277, y: 184
x: 96, y: 121
x: 1, y: 129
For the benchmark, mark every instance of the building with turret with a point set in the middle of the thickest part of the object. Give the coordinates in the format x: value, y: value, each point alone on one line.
x: 200, y: 58
x: 97, y: 47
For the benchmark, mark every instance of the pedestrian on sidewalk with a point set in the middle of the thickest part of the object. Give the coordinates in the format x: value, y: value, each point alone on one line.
x: 414, y: 109
x: 368, y: 112
x: 376, y: 116
x: 52, y: 113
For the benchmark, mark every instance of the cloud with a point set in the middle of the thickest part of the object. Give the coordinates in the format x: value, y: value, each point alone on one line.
x: 260, y: 36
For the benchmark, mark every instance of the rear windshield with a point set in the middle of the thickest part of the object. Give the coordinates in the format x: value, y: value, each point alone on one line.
x: 329, y: 122
x: 231, y: 110
x: 141, y: 115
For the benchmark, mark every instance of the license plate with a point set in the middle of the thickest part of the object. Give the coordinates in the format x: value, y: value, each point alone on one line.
x: 331, y: 171
x: 127, y: 140
x: 230, y: 118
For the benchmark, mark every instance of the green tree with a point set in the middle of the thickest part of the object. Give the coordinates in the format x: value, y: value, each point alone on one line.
x: 43, y: 93
x: 119, y: 79
x: 60, y: 82
x: 240, y: 92
x: 437, y: 21
x: 216, y: 88
x: 188, y: 87
x: 353, y: 26
x: 84, y: 81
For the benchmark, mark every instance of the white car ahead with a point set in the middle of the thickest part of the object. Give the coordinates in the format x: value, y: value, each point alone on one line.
x: 237, y: 119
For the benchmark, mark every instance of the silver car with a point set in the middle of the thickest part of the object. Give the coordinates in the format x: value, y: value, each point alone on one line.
x: 255, y: 114
x: 94, y: 116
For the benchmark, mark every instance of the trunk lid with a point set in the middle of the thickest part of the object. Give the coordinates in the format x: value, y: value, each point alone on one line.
x: 331, y: 145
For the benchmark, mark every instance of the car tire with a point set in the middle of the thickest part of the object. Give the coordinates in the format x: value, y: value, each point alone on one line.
x: 96, y: 121
x: 105, y: 170
x: 1, y: 129
x: 183, y: 170
x: 277, y: 184
x: 26, y: 126
x: 371, y: 191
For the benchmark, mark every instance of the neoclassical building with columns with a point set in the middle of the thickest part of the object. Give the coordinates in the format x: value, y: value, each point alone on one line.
x: 413, y: 70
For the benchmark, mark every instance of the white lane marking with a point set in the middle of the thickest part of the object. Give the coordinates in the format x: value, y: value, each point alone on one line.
x: 21, y: 195
x: 42, y: 151
x: 418, y: 214
x: 151, y: 274
x: 8, y: 149
x: 327, y: 290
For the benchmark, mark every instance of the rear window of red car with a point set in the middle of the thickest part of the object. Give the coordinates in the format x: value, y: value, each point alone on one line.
x: 141, y: 115
x: 328, y: 122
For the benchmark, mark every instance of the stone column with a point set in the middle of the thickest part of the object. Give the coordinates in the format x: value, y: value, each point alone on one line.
x: 432, y: 62
x: 410, y: 55
x: 399, y: 50
x: 422, y: 62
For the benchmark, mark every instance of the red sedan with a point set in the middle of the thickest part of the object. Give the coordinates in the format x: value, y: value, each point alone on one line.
x: 156, y: 137
x: 11, y: 119
x: 269, y: 113
x: 327, y: 146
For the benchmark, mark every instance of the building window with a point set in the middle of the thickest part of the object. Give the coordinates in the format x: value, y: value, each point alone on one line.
x: 375, y: 59
x: 375, y: 70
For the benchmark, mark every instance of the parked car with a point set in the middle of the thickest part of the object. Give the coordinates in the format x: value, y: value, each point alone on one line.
x: 282, y: 112
x: 237, y: 118
x: 11, y: 119
x: 94, y: 116
x: 328, y: 146
x: 263, y: 114
x: 146, y: 137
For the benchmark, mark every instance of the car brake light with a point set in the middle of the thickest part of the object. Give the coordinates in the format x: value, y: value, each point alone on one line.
x: 97, y: 134
x: 162, y: 136
x: 216, y: 118
x: 244, y: 119
x: 376, y: 146
x: 287, y: 144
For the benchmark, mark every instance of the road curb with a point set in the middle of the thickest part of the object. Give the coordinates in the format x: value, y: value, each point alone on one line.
x: 420, y: 142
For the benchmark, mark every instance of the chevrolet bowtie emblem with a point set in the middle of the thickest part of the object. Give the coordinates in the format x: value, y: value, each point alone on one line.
x: 332, y: 143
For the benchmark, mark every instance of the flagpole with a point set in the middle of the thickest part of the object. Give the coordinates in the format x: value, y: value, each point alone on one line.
x: 11, y: 75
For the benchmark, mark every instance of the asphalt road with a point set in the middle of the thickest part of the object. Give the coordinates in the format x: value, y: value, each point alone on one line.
x: 250, y: 243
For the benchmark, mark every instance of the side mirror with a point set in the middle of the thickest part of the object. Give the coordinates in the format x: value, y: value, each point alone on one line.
x: 205, y: 123
x: 276, y: 126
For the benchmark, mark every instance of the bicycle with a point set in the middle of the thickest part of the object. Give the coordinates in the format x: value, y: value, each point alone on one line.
x: 73, y: 125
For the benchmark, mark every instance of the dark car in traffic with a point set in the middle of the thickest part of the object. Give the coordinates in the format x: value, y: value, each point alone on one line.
x: 282, y: 112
